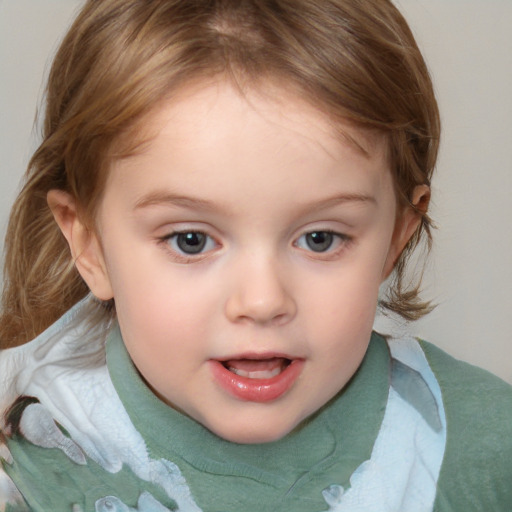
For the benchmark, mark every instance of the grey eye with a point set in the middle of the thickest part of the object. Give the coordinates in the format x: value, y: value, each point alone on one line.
x: 322, y: 241
x: 319, y: 241
x: 190, y: 243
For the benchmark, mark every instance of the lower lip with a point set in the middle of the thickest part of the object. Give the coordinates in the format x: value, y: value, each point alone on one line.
x: 257, y: 390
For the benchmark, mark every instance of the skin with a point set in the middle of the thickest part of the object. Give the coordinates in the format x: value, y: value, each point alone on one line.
x: 256, y: 175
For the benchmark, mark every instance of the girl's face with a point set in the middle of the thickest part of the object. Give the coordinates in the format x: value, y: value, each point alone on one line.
x: 244, y: 248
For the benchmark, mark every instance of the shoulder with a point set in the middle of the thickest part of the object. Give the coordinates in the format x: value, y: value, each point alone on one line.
x: 477, y: 469
x: 10, y: 497
x: 474, y: 399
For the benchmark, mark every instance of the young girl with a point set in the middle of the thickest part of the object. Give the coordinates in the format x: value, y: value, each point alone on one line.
x: 197, y: 254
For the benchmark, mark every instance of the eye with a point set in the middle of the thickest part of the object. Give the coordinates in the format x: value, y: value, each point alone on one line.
x: 321, y: 241
x: 190, y: 242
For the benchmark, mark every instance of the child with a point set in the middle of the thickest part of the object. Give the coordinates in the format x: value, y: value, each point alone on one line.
x: 196, y: 256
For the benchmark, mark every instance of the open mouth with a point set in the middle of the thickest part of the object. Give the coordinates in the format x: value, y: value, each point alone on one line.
x: 257, y: 368
x: 257, y: 380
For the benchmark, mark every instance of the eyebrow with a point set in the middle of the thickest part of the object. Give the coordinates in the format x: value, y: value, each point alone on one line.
x: 165, y: 198
x: 337, y: 199
x: 159, y: 198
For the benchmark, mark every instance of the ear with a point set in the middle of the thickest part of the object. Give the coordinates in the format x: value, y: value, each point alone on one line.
x: 84, y: 244
x: 407, y: 221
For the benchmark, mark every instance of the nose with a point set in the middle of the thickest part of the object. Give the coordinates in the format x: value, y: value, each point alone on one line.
x: 259, y: 294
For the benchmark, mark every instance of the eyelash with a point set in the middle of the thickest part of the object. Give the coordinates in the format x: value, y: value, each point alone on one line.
x: 340, y: 242
x: 172, y: 244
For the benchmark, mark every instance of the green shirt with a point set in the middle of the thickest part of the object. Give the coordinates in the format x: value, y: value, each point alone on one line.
x: 186, y: 467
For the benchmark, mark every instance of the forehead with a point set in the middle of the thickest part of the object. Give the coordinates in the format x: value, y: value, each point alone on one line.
x: 276, y: 102
x: 213, y: 129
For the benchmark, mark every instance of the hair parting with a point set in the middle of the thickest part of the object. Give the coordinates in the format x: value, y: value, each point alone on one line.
x: 353, y: 60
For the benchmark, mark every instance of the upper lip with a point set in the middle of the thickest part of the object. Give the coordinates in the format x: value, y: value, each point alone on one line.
x: 256, y: 356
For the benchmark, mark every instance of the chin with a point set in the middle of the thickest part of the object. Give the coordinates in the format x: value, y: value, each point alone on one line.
x: 251, y: 432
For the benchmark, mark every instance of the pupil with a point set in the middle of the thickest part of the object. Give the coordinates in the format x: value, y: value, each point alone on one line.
x: 191, y: 243
x: 319, y: 241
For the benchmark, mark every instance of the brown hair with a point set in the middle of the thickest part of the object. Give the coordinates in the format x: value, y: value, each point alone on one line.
x: 354, y: 60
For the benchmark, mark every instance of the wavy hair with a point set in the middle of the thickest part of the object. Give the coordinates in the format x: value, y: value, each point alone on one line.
x: 353, y: 60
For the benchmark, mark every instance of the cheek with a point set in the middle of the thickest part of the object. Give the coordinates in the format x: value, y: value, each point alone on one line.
x: 351, y: 289
x: 154, y: 302
x: 341, y: 310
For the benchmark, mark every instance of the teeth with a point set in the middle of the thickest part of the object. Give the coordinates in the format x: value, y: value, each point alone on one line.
x: 262, y: 374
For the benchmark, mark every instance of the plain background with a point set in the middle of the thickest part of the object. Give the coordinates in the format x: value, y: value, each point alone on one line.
x: 468, y: 46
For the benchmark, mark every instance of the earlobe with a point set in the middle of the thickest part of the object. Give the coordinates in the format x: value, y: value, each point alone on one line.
x: 407, y: 223
x: 84, y: 245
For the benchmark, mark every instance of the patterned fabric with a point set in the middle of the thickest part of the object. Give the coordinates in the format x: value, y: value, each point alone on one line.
x: 82, y: 432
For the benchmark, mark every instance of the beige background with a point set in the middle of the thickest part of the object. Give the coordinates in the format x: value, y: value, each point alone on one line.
x: 468, y: 45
